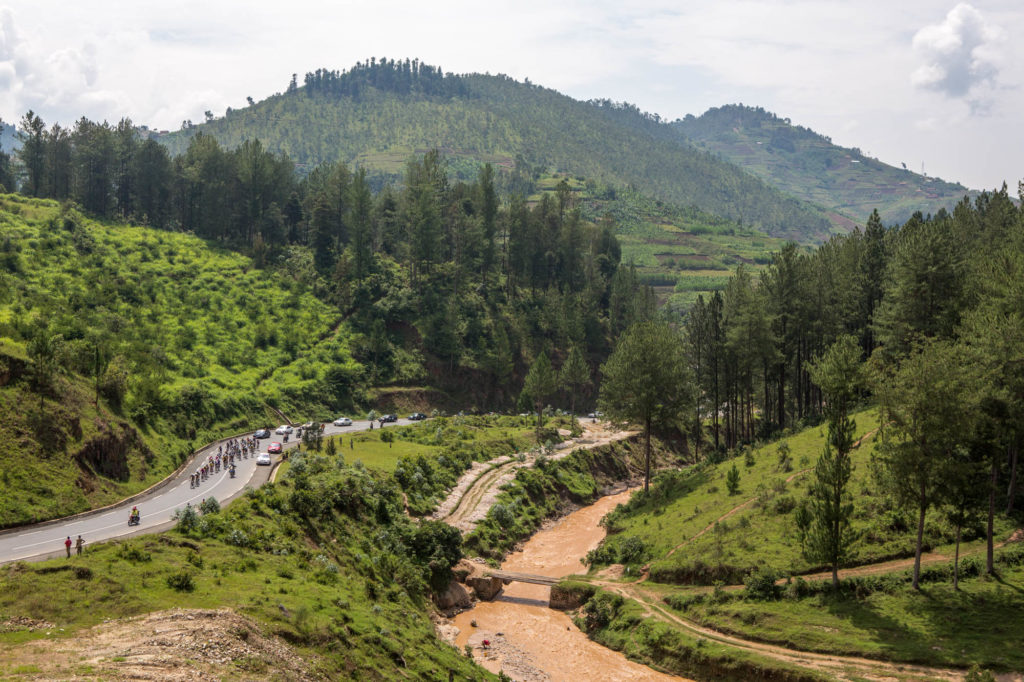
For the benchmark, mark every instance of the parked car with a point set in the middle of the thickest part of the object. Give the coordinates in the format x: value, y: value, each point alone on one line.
x: 274, y: 448
x: 283, y: 429
x: 262, y: 433
x: 417, y: 416
x: 385, y: 418
x: 263, y: 459
x: 343, y: 421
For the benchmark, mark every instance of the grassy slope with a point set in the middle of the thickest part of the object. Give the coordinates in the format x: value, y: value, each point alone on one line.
x: 327, y: 587
x: 938, y: 625
x: 198, y: 320
x: 876, y: 617
x: 809, y: 166
x: 500, y: 120
x: 761, y: 533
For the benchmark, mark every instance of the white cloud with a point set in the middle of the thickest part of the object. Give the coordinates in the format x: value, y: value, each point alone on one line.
x: 960, y: 55
x: 842, y: 67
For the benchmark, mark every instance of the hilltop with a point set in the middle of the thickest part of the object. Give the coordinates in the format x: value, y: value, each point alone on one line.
x: 379, y: 114
x: 809, y: 166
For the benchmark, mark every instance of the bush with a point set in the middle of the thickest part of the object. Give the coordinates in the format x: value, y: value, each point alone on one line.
x: 732, y: 480
x: 181, y: 581
x: 601, y: 610
x: 187, y: 518
x: 209, y: 505
x: 760, y: 584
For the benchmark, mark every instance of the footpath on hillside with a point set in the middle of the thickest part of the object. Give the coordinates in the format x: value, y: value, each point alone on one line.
x: 477, y: 490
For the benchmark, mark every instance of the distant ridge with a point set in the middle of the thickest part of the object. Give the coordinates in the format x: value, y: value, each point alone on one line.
x: 379, y: 113
x: 807, y: 165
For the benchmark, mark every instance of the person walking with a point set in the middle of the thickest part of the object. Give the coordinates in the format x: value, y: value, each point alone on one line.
x: 67, y: 546
x: 79, y: 543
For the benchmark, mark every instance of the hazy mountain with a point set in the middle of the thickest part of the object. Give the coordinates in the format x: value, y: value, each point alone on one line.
x: 807, y: 165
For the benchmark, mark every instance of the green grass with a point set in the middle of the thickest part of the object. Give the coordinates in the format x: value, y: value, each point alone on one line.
x: 328, y: 582
x: 762, y: 533
x: 626, y: 626
x: 936, y: 626
x: 200, y: 343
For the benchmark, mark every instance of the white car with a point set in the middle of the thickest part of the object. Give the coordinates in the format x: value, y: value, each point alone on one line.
x: 283, y: 429
x: 343, y: 421
x: 263, y: 459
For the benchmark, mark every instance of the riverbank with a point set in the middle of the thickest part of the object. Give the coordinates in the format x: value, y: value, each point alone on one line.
x: 532, y: 642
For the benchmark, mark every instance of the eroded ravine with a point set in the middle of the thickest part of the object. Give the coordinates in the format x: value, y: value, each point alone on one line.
x: 530, y: 641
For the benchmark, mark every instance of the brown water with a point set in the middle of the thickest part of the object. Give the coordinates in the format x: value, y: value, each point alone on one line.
x: 530, y: 641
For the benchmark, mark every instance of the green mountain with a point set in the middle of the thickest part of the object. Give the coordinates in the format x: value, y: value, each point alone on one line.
x: 379, y: 114
x: 807, y: 165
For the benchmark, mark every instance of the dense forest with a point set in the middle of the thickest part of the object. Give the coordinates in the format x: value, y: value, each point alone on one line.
x: 379, y: 112
x: 934, y: 306
x: 434, y: 278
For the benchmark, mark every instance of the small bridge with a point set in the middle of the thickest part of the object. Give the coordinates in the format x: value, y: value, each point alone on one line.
x: 522, y: 577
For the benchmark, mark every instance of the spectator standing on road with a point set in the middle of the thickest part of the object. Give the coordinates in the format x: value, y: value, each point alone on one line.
x: 67, y: 546
x: 79, y: 543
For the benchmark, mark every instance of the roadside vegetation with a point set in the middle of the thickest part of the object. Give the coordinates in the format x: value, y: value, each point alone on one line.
x: 324, y: 559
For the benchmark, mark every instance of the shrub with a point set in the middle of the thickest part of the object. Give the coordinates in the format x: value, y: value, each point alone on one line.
x: 760, y: 584
x: 209, y: 505
x: 601, y: 609
x: 187, y: 518
x: 181, y: 581
x: 732, y: 480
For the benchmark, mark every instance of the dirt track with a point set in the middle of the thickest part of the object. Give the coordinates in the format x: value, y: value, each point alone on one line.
x: 477, y: 490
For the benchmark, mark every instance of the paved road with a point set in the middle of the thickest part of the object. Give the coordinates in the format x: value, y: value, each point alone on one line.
x: 156, y: 509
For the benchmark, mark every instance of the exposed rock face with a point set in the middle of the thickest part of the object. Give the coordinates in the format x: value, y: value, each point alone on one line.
x: 485, y: 588
x: 107, y: 453
x: 566, y: 599
x: 455, y: 596
x: 465, y: 569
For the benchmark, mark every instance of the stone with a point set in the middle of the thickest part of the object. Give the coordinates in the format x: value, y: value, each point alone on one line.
x: 464, y: 570
x: 454, y: 596
x: 485, y: 587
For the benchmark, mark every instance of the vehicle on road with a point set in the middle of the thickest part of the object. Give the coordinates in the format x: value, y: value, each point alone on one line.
x: 417, y: 416
x: 262, y: 433
x: 387, y: 418
x: 342, y: 421
x: 309, y: 425
x: 263, y: 459
x: 283, y: 429
x: 274, y: 448
x: 134, y: 517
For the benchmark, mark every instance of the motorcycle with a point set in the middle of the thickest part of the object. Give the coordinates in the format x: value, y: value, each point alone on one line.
x: 134, y: 519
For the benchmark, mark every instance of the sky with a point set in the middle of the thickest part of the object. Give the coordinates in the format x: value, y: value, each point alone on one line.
x: 933, y: 84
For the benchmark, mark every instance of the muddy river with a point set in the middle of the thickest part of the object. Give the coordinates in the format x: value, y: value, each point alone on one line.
x: 532, y: 642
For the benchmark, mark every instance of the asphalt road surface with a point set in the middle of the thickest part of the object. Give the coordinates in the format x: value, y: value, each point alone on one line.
x: 157, y: 508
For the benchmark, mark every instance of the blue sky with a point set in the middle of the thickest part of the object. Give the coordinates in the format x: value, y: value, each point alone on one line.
x: 919, y: 81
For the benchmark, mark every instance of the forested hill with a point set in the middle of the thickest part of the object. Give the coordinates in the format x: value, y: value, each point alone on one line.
x: 807, y: 165
x: 379, y: 114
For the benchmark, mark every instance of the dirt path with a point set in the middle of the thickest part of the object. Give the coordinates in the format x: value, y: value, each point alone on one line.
x: 477, y: 490
x: 841, y: 667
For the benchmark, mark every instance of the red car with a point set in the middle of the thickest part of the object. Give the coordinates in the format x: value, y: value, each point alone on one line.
x: 274, y: 448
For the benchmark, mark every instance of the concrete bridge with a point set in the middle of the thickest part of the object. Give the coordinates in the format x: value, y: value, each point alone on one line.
x: 509, y: 576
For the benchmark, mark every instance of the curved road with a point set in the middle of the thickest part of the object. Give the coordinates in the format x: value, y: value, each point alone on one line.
x: 45, y: 540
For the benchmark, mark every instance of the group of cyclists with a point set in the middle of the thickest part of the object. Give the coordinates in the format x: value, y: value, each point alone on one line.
x: 227, y: 453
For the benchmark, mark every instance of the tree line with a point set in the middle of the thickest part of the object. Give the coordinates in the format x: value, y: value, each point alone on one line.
x: 447, y: 281
x: 925, y: 317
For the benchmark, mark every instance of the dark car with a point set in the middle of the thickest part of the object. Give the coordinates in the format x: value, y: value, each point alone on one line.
x: 262, y: 433
x: 386, y: 418
x: 274, y: 448
x: 417, y: 416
